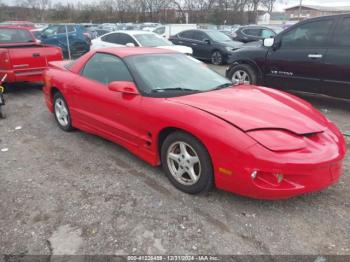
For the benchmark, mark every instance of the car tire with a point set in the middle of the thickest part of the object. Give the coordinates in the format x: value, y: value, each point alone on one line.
x: 187, y: 163
x: 217, y: 58
x: 61, y: 112
x: 243, y: 73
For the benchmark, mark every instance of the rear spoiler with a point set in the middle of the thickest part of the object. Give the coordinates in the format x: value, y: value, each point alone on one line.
x: 62, y: 65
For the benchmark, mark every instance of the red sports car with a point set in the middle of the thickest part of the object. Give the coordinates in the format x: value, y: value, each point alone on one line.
x: 170, y: 109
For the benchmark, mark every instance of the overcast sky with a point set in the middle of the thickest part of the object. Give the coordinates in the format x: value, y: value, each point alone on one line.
x: 280, y: 5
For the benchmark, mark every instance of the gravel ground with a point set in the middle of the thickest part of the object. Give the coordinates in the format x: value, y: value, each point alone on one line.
x: 74, y: 193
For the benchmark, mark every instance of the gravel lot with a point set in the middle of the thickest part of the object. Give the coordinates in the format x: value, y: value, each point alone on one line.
x: 74, y: 193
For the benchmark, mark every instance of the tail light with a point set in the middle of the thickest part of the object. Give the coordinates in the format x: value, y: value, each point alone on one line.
x: 4, y: 59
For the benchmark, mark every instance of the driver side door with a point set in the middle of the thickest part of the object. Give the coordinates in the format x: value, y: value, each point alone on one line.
x: 296, y: 62
x: 99, y: 110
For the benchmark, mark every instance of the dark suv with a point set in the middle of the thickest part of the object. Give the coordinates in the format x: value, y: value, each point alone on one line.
x: 251, y: 33
x: 207, y: 44
x: 311, y: 56
x: 73, y: 36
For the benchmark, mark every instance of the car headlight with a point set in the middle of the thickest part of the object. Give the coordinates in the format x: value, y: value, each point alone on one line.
x: 278, y: 140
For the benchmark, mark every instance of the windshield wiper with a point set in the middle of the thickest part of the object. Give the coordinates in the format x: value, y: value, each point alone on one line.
x: 174, y: 89
x: 223, y: 86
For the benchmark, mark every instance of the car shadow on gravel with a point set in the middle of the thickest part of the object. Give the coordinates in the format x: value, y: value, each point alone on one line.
x: 21, y: 88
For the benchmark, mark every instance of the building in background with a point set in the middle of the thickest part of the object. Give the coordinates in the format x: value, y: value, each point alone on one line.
x: 310, y: 11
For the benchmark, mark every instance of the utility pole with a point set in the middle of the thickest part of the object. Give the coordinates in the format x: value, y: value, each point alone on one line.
x: 299, y: 16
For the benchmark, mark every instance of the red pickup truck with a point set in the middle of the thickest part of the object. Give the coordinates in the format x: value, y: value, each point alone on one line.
x: 22, y: 57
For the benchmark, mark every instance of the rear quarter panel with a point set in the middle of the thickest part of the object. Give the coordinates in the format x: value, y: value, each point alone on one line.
x: 57, y: 79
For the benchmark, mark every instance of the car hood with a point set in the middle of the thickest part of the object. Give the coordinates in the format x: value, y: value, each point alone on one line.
x: 178, y: 48
x: 252, y: 108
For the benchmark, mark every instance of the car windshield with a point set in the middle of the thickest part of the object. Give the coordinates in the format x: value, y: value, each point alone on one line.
x: 15, y: 36
x: 175, y: 73
x: 218, y: 36
x: 152, y: 40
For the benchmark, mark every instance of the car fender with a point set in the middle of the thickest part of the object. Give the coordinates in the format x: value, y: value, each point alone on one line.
x: 217, y: 136
x: 249, y: 62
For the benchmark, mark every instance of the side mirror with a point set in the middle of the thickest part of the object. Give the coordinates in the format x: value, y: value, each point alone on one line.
x: 37, y: 41
x: 130, y: 45
x: 268, y: 42
x: 124, y: 87
x: 207, y: 41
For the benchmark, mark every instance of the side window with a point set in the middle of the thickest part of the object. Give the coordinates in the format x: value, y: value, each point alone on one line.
x: 119, y: 38
x: 342, y: 33
x: 312, y: 34
x: 252, y: 32
x: 187, y: 34
x: 70, y: 28
x: 107, y: 38
x: 200, y: 36
x: 50, y: 31
x: 267, y: 33
x: 160, y: 30
x: 126, y: 39
x: 105, y: 68
x: 62, y: 29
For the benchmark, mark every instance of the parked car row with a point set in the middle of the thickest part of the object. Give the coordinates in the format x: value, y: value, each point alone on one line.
x: 309, y: 56
x: 207, y: 43
x: 137, y: 39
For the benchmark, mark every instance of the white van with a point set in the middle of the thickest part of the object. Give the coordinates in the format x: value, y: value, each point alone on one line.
x: 173, y: 29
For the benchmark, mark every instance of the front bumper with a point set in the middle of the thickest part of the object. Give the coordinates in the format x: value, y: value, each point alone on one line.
x: 302, y: 171
x: 294, y: 182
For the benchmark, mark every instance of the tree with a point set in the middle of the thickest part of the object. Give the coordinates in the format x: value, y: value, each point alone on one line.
x: 166, y: 11
x: 38, y: 6
x: 254, y: 4
x: 269, y: 4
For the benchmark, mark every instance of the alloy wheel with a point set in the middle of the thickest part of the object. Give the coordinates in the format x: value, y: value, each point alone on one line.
x: 241, y: 76
x: 183, y: 163
x: 61, y: 112
x: 216, y: 58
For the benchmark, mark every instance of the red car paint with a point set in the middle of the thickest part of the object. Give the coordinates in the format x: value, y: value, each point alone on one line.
x: 23, y: 24
x: 25, y: 61
x: 244, y: 128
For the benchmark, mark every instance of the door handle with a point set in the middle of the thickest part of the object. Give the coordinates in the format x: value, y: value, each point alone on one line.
x: 194, y: 44
x: 315, y: 56
x: 36, y: 55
